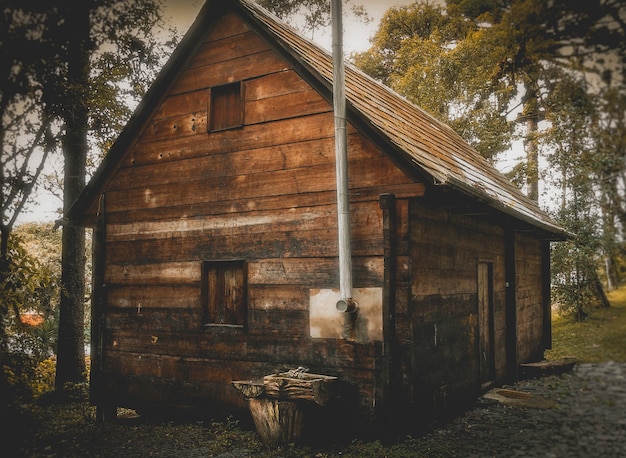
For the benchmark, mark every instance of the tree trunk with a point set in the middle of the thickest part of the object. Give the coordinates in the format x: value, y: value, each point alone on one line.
x: 531, y: 115
x: 71, y: 341
x: 599, y: 291
x: 611, y: 282
x: 4, y: 273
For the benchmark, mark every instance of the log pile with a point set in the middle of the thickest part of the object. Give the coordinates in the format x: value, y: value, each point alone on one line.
x: 293, y: 385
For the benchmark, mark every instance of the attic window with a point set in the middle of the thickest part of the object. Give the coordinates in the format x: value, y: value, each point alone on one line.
x: 225, y: 109
x: 224, y: 293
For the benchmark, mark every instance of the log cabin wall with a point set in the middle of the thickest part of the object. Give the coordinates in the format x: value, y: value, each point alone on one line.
x: 439, y: 332
x: 257, y: 191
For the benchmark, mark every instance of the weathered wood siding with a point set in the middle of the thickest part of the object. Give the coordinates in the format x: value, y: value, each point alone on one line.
x: 263, y: 193
x: 439, y: 330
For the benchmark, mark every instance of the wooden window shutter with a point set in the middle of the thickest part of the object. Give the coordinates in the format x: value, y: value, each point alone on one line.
x: 224, y: 292
x: 225, y: 110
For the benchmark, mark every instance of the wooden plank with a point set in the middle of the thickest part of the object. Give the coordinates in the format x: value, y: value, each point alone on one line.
x: 238, y: 69
x: 283, y: 132
x: 214, y: 162
x: 428, y: 282
x: 182, y: 104
x: 167, y: 272
x: 249, y: 187
x: 173, y: 367
x: 286, y: 106
x: 153, y: 295
x: 229, y: 47
x: 284, y: 323
x: 264, y: 203
x: 234, y: 358
x: 263, y: 297
x: 319, y: 178
x: 364, y: 216
x: 192, y: 124
x: 321, y: 272
x: 153, y: 322
x: 281, y: 157
x: 263, y: 245
x: 275, y: 85
x: 228, y: 25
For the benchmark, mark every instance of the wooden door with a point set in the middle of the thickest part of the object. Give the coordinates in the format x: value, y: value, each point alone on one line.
x: 485, y: 322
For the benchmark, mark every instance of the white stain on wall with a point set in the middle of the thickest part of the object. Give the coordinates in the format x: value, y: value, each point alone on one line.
x: 326, y: 322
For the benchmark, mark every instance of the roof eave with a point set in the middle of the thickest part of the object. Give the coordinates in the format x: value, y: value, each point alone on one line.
x: 551, y: 231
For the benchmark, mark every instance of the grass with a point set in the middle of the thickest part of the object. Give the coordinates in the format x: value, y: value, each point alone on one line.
x: 600, y: 338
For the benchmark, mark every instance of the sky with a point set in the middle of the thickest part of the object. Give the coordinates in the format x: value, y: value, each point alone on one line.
x: 356, y: 34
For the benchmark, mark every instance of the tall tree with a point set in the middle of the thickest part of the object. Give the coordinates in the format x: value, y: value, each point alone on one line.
x: 86, y: 61
x: 74, y: 112
x: 571, y: 113
x: 449, y: 66
x: 609, y: 135
x: 486, y: 66
x: 26, y: 129
x: 474, y: 62
x: 90, y: 26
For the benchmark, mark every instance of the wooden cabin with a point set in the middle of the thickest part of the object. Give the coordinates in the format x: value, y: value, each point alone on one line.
x: 215, y: 239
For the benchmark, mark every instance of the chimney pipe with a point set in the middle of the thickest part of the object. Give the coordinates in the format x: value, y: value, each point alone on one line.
x: 345, y: 303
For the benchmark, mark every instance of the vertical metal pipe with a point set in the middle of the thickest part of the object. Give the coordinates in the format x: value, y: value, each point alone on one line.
x: 343, y: 203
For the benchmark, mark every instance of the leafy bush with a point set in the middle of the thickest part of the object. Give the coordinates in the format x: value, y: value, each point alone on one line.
x: 575, y: 264
x: 30, y: 290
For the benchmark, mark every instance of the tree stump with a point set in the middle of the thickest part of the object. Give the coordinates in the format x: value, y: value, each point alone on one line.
x: 276, y: 422
x: 276, y: 402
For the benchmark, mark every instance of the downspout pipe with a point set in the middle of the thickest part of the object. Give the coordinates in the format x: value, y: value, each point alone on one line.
x: 345, y: 303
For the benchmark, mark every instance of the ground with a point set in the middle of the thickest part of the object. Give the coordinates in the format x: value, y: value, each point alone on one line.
x: 581, y: 413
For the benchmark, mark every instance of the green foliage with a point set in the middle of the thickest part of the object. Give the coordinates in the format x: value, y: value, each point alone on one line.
x: 449, y: 66
x: 43, y: 380
x: 24, y: 378
x: 32, y: 290
x: 575, y: 262
x: 475, y: 64
x: 600, y: 338
x: 29, y: 290
x: 586, y: 166
x: 73, y: 73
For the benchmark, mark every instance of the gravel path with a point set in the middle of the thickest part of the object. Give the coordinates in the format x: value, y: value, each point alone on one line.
x: 581, y: 413
x: 587, y: 418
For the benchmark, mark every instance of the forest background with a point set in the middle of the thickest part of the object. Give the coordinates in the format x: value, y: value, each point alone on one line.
x: 537, y: 87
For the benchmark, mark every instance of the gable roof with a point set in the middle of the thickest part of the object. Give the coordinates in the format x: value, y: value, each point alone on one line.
x: 422, y: 142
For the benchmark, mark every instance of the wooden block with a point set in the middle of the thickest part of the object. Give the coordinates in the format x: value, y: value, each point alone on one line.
x: 277, y: 422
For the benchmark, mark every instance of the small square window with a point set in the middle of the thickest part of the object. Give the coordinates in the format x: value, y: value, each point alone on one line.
x: 224, y: 292
x: 225, y: 109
